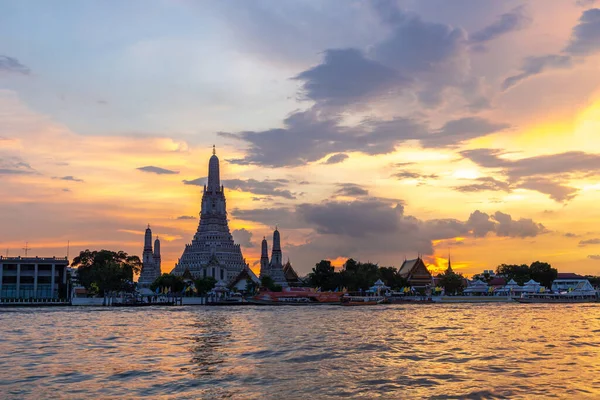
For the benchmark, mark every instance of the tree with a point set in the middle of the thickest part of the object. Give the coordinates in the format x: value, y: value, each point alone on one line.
x: 205, y: 285
x: 391, y: 278
x: 250, y: 286
x: 543, y: 273
x: 451, y: 281
x: 322, y: 275
x: 106, y: 270
x: 268, y: 283
x: 520, y: 273
x: 174, y: 283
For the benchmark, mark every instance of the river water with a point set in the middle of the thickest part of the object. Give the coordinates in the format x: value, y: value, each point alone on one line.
x: 391, y: 352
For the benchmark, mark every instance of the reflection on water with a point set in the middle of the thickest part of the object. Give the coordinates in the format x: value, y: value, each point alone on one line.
x: 395, y: 351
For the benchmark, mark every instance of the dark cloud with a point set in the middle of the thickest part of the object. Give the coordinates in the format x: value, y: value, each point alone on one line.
x: 15, y: 166
x: 268, y: 187
x: 307, y: 136
x: 243, y: 237
x: 337, y: 158
x: 157, y: 170
x: 68, y: 178
x: 589, y: 242
x: 379, y: 230
x: 570, y: 235
x: 585, y: 38
x: 356, y: 218
x: 346, y: 76
x: 536, y: 65
x: 577, y: 162
x: 594, y: 256
x: 556, y: 191
x: 12, y: 65
x: 185, y: 217
x: 584, y: 41
x: 514, y: 20
x: 351, y: 190
x: 484, y: 184
x: 458, y: 131
x: 413, y: 175
x: 517, y: 228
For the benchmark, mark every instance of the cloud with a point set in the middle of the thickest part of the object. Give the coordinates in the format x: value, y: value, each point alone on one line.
x: 556, y: 191
x: 589, y: 242
x: 15, y: 166
x: 346, y: 76
x: 517, y: 228
x: 309, y: 136
x: 484, y: 184
x: 337, y: 158
x: 585, y: 39
x: 351, y: 190
x: 68, y: 178
x: 585, y: 3
x: 12, y: 65
x: 570, y: 235
x: 243, y: 237
x: 186, y: 217
x: 413, y: 175
x: 285, y: 218
x: 268, y: 187
x: 480, y: 224
x: 514, y: 20
x: 157, y: 170
x: 536, y: 65
x: 594, y: 256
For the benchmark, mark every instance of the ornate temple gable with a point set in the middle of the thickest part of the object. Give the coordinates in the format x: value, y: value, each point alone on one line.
x: 416, y: 272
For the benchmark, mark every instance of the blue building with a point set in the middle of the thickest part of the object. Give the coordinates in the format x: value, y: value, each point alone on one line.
x: 32, y: 277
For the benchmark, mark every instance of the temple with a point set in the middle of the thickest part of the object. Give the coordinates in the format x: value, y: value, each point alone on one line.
x: 416, y: 273
x: 212, y: 251
x: 283, y: 275
x: 150, y: 260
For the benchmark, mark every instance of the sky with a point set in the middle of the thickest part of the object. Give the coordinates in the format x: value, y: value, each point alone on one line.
x: 379, y: 130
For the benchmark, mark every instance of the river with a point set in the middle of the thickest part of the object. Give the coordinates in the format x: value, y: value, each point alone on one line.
x: 388, y: 351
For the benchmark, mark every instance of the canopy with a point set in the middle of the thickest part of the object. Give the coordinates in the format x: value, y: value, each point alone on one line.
x: 379, y: 283
x: 220, y: 287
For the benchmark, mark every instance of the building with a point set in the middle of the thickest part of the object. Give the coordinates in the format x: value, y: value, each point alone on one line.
x: 291, y: 276
x: 150, y: 261
x: 212, y: 251
x: 416, y: 273
x: 273, y: 267
x: 240, y: 282
x: 33, y: 277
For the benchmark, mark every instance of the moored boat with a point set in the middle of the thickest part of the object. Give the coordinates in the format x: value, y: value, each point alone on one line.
x: 296, y: 297
x: 353, y: 300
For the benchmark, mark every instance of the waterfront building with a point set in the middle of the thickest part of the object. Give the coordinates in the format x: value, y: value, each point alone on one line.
x: 32, y: 277
x: 240, y: 282
x: 151, y: 261
x: 274, y: 267
x: 291, y: 276
x: 416, y: 273
x: 212, y: 251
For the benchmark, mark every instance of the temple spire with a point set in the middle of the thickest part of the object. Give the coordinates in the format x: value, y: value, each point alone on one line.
x: 214, y: 150
x: 214, y: 180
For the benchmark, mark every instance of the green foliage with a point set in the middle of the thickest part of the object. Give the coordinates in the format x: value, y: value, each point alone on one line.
x: 452, y: 282
x: 105, y: 270
x: 250, y: 286
x: 173, y: 282
x: 205, y: 285
x: 541, y: 272
x: 354, y: 276
x: 268, y: 283
x: 323, y: 275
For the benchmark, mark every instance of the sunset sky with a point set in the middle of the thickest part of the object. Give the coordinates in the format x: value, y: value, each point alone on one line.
x: 376, y: 130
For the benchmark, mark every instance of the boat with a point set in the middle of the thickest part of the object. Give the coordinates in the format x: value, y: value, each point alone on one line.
x: 236, y: 299
x: 403, y: 298
x: 296, y: 297
x: 357, y: 300
x: 564, y: 291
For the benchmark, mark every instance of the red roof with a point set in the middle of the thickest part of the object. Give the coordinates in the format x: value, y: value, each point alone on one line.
x: 497, y: 282
x: 568, y: 275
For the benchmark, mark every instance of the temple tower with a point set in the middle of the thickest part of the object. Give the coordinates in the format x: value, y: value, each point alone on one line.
x: 156, y: 257
x: 264, y: 258
x: 212, y: 251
